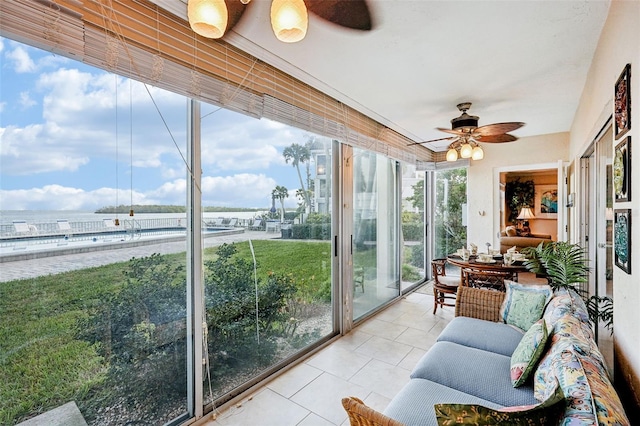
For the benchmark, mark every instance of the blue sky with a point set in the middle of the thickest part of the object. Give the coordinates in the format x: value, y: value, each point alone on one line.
x: 68, y: 142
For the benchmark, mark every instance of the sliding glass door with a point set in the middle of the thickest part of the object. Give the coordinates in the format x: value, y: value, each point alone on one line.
x: 376, y: 272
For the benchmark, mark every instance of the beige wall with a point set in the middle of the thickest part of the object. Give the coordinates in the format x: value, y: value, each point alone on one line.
x: 483, y: 190
x: 619, y: 44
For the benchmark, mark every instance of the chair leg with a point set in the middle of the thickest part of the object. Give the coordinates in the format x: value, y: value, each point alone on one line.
x: 435, y: 300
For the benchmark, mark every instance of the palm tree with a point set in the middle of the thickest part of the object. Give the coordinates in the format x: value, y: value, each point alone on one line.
x: 298, y: 154
x: 280, y: 193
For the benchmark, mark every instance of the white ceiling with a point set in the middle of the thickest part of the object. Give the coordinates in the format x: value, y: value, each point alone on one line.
x: 515, y: 60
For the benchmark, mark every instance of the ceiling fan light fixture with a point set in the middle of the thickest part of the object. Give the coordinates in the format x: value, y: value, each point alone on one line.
x: 289, y: 20
x: 452, y: 155
x: 477, y: 153
x: 466, y: 150
x: 208, y: 17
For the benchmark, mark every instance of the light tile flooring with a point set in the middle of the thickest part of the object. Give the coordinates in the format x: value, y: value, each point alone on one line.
x: 373, y: 363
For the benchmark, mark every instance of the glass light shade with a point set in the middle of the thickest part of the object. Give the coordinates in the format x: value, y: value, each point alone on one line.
x: 208, y: 17
x: 477, y: 153
x: 289, y: 20
x: 466, y: 150
x: 452, y: 155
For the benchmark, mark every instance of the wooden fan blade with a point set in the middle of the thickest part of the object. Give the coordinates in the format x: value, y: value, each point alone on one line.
x: 346, y: 13
x: 432, y: 140
x: 497, y: 128
x: 453, y: 132
x: 496, y: 138
x: 235, y: 9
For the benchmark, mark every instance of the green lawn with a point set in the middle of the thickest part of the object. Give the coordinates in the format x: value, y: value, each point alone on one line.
x: 43, y: 364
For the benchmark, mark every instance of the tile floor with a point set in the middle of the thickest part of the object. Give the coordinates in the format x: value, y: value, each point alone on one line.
x: 373, y: 363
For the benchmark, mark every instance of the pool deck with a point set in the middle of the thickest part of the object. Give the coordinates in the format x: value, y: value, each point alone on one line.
x: 26, y: 264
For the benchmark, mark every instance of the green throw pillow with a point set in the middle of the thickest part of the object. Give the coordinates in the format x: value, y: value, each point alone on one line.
x: 524, y: 303
x: 528, y: 352
x: 546, y: 413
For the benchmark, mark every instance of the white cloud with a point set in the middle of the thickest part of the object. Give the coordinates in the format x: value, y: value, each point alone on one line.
x: 20, y: 60
x: 26, y: 101
x: 240, y: 190
x: 244, y: 189
x: 58, y: 197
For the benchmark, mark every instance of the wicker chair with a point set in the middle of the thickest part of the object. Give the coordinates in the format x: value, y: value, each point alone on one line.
x: 493, y: 280
x: 444, y: 287
x: 362, y: 415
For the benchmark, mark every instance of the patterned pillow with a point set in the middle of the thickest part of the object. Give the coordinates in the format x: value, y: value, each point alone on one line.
x: 524, y: 303
x: 528, y: 352
x: 548, y: 412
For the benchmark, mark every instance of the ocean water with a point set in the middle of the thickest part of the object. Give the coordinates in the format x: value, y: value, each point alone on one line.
x: 7, y: 217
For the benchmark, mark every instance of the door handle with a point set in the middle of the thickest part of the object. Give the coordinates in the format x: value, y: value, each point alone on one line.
x: 605, y: 245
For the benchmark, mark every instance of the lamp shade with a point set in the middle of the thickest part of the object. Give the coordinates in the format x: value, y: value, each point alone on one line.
x: 289, y: 20
x: 477, y: 153
x: 452, y: 154
x: 208, y: 17
x: 466, y: 150
x: 526, y: 213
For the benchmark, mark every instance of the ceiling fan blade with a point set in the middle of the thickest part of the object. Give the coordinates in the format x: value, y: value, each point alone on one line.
x: 453, y: 132
x: 432, y: 140
x: 346, y: 13
x: 497, y: 128
x: 235, y: 9
x: 496, y: 138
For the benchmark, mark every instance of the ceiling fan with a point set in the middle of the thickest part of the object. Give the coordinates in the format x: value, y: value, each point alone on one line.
x: 467, y: 135
x: 289, y: 18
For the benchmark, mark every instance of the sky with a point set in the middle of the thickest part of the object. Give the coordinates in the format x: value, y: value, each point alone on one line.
x: 74, y: 137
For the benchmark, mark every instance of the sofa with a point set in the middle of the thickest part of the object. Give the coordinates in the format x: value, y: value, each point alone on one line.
x: 510, y: 240
x: 470, y: 373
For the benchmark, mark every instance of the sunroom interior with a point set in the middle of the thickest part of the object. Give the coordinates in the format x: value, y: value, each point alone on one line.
x: 379, y: 204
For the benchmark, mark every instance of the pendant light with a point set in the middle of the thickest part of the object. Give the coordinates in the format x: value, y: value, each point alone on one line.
x: 466, y: 150
x: 477, y: 153
x: 208, y: 17
x: 289, y: 20
x: 452, y: 154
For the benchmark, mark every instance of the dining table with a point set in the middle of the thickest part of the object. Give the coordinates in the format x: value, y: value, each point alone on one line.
x: 497, y: 264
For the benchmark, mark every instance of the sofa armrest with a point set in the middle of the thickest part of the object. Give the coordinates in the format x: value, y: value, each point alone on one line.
x: 479, y: 303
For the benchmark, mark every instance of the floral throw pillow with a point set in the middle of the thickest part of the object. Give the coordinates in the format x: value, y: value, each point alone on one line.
x: 548, y: 412
x: 528, y: 353
x: 524, y: 304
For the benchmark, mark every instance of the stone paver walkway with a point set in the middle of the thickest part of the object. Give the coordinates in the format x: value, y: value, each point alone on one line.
x: 25, y: 269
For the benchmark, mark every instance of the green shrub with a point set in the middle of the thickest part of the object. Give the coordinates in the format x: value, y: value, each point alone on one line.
x: 311, y: 231
x: 409, y: 273
x: 140, y: 333
x: 417, y: 256
x: 413, y: 231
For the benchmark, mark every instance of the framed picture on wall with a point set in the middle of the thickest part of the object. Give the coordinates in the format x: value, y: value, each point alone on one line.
x: 622, y: 170
x: 622, y: 239
x: 622, y: 103
x: 546, y: 202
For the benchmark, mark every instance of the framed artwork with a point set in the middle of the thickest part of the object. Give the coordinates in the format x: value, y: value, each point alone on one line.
x: 622, y: 170
x: 546, y: 202
x: 622, y: 103
x: 622, y: 239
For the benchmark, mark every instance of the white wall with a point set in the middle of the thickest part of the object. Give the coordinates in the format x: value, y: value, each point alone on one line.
x: 481, y: 190
x: 619, y: 44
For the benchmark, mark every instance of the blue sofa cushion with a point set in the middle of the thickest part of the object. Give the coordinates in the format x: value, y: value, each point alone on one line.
x: 413, y: 405
x: 484, y: 374
x: 489, y: 336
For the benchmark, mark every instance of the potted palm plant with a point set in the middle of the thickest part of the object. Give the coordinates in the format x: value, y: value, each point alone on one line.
x: 564, y: 265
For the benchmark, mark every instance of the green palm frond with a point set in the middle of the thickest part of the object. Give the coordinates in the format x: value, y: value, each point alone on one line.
x: 563, y: 263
